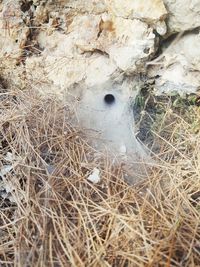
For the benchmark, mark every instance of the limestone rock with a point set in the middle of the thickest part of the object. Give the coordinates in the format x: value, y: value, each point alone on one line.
x: 13, y: 38
x: 179, y: 67
x: 88, y: 6
x: 149, y: 11
x: 93, y: 41
x: 128, y: 43
x: 183, y: 15
x: 62, y: 64
x: 13, y: 34
x: 99, y: 70
x: 124, y: 44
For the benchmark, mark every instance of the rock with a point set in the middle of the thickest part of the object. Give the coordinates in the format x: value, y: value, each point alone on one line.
x: 83, y: 32
x: 161, y: 28
x: 88, y: 6
x: 128, y: 43
x: 150, y: 11
x: 125, y: 44
x: 14, y: 32
x: 179, y: 67
x: 13, y: 38
x: 183, y: 15
x: 78, y: 40
x: 92, y: 41
x: 99, y: 70
x: 94, y: 176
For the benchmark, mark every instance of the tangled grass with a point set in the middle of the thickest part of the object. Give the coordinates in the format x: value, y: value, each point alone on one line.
x: 51, y: 215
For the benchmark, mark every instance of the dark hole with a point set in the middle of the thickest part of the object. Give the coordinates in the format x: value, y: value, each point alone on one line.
x: 197, y: 101
x: 146, y: 50
x: 109, y: 99
x: 26, y: 6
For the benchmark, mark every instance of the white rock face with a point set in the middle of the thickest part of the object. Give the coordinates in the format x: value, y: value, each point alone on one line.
x: 179, y: 68
x: 91, y: 40
x: 183, y: 15
x: 89, y: 6
x: 150, y: 11
x: 94, y: 177
x: 13, y: 32
x: 67, y: 58
x: 98, y: 40
x: 128, y: 44
x: 13, y: 37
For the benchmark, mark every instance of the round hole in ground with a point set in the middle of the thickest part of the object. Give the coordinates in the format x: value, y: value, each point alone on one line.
x: 109, y: 99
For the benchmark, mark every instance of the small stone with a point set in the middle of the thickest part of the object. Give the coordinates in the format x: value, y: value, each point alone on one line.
x: 94, y: 176
x: 161, y: 28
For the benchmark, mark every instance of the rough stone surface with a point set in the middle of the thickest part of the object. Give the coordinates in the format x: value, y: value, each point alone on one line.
x: 150, y: 11
x: 183, y: 15
x: 52, y: 44
x: 88, y: 6
x: 178, y: 70
x: 13, y: 34
x: 13, y: 37
x: 68, y: 58
x: 67, y: 41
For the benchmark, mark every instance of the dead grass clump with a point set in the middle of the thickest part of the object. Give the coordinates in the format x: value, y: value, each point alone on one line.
x: 51, y: 215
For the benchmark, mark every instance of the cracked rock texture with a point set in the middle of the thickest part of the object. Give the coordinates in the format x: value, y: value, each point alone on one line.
x: 54, y: 44
x: 183, y: 15
x: 50, y: 45
x: 60, y: 43
x: 94, y: 48
x: 178, y: 69
x: 150, y: 11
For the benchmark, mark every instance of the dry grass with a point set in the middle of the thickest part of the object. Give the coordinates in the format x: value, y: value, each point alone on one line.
x: 56, y: 217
